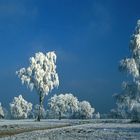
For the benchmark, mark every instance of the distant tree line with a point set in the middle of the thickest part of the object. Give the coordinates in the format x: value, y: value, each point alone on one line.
x: 59, y: 106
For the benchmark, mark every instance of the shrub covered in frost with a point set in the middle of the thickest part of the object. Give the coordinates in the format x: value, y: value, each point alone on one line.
x: 85, y: 111
x: 63, y: 104
x: 20, y: 108
x: 68, y: 106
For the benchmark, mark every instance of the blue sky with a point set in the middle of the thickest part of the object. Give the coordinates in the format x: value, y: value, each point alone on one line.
x: 90, y: 37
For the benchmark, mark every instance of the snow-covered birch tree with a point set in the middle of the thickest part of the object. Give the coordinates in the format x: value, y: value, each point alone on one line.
x: 41, y: 75
x: 20, y: 108
x: 128, y: 102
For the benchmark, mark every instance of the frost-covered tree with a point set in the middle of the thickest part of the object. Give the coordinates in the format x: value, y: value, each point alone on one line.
x: 67, y: 105
x: 40, y: 75
x: 71, y: 104
x: 63, y: 104
x: 20, y: 108
x: 57, y: 105
x: 1, y: 112
x: 85, y: 110
x: 128, y: 102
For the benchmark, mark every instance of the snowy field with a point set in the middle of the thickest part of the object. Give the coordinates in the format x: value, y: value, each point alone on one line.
x: 69, y: 130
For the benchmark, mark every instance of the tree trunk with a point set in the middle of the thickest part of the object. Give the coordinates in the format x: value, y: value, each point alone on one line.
x: 59, y: 115
x: 40, y: 106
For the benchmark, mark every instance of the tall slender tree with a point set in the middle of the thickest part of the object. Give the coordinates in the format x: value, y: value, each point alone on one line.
x: 40, y: 75
x: 128, y: 102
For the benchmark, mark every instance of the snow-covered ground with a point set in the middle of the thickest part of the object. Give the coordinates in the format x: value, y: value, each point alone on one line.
x: 71, y: 130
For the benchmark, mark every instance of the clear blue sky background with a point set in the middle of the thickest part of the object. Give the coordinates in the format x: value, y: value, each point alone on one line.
x: 90, y: 37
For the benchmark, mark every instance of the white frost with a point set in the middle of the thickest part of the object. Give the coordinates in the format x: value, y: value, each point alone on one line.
x: 20, y: 108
